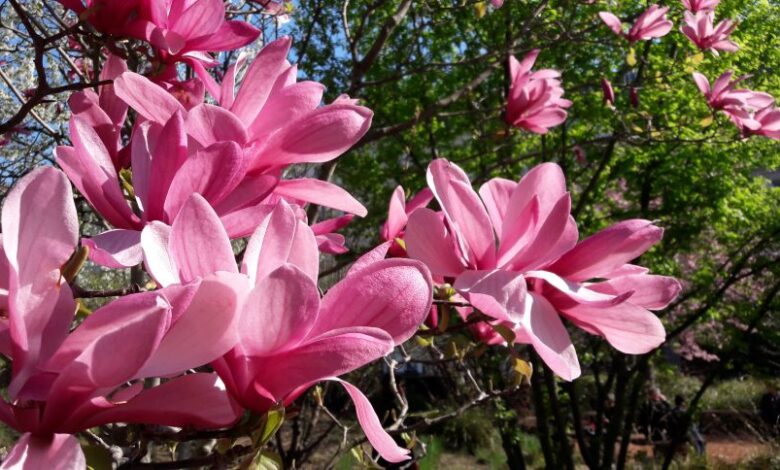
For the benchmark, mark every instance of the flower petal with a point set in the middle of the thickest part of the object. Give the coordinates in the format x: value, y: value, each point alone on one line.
x: 115, y: 248
x: 394, y: 295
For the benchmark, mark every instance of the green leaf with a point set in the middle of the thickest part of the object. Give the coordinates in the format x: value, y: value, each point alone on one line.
x: 271, y: 423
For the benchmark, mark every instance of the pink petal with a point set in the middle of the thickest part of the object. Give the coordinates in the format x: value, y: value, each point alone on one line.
x: 115, y: 108
x: 396, y: 215
x: 557, y: 235
x: 280, y: 238
x: 608, y: 249
x: 576, y: 293
x: 54, y: 452
x: 495, y: 195
x: 321, y: 193
x: 379, y: 438
x: 374, y: 255
x: 259, y: 80
x: 243, y: 222
x: 113, y: 343
x: 149, y: 100
x: 318, y: 136
x: 421, y: 199
x: 115, y: 248
x: 394, y: 295
x: 428, y: 241
x: 231, y: 35
x: 518, y: 233
x: 702, y: 83
x: 198, y: 400
x: 334, y: 354
x: 168, y: 155
x: 205, y: 328
x: 285, y: 106
x: 209, y: 124
x: 39, y: 232
x: 155, y: 239
x: 196, y: 231
x: 227, y: 91
x: 279, y: 312
x: 651, y: 292
x: 499, y: 294
x: 627, y: 327
x: 612, y: 21
x: 91, y: 169
x: 546, y: 182
x: 331, y: 225
x: 212, y: 172
x: 464, y: 211
x: 546, y: 333
x: 201, y: 17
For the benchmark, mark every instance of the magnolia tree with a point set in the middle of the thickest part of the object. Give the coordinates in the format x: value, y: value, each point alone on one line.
x: 183, y: 318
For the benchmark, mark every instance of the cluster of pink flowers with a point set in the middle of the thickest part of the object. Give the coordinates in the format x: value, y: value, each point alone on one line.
x: 699, y: 19
x: 201, y: 175
x: 264, y: 327
x: 753, y: 112
x: 512, y: 252
x: 192, y: 176
x: 232, y: 154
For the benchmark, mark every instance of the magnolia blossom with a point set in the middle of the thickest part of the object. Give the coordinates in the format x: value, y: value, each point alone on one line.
x: 723, y: 95
x: 765, y: 122
x: 535, y: 101
x: 290, y: 337
x: 512, y: 252
x: 66, y: 382
x: 695, y: 6
x: 652, y: 23
x: 233, y: 155
x: 753, y: 112
x: 609, y: 92
x: 186, y: 30
x: 700, y: 31
x: 180, y: 30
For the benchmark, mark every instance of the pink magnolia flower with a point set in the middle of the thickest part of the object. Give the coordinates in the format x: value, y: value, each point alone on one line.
x: 186, y: 30
x: 512, y: 252
x: 232, y: 155
x: 66, y: 382
x: 652, y: 23
x: 290, y: 337
x: 724, y: 96
x: 700, y: 31
x: 535, y: 100
x: 695, y: 6
x: 765, y: 122
x: 753, y: 112
x: 609, y: 92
